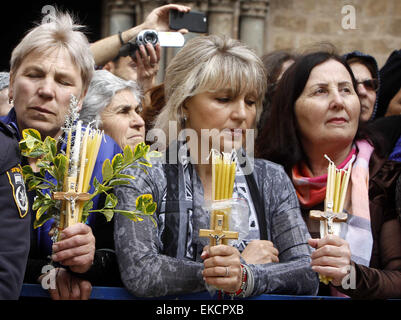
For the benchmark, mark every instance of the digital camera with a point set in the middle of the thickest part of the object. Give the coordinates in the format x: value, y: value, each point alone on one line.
x: 166, y: 39
x: 147, y: 36
x: 143, y: 37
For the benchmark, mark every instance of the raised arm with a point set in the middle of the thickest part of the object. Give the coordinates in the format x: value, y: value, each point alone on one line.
x: 107, y: 49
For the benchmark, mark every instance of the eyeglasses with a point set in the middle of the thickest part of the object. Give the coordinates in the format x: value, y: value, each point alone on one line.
x: 369, y: 84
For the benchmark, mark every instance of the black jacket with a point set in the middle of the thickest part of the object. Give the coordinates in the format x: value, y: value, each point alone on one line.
x: 15, y: 220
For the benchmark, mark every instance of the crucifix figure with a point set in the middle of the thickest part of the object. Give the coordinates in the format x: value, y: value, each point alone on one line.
x: 219, y: 229
x: 328, y: 217
x: 72, y: 197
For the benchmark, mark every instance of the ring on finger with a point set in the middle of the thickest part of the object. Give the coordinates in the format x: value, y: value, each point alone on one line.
x: 227, y: 272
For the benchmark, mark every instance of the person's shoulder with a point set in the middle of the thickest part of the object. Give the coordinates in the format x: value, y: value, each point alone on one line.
x: 6, y: 129
x: 268, y: 167
x: 109, y: 146
x: 9, y: 154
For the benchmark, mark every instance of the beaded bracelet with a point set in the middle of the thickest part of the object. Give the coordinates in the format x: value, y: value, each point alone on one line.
x: 242, y: 288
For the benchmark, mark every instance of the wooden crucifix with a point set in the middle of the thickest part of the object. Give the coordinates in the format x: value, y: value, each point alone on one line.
x: 328, y: 217
x: 219, y: 229
x: 72, y: 198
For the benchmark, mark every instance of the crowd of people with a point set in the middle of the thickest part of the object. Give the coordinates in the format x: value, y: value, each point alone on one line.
x: 290, y: 108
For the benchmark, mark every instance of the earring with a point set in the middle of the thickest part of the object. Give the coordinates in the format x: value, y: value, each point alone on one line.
x: 185, y: 117
x: 10, y: 101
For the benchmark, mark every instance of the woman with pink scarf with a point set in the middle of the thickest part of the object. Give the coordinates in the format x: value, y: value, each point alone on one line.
x: 315, y: 112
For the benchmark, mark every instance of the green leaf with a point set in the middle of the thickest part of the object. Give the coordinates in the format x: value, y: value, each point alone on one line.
x: 124, y: 176
x: 151, y: 208
x: 117, y: 182
x: 103, y: 188
x: 85, y: 211
x: 27, y: 170
x: 142, y: 201
x: 107, y: 170
x: 95, y: 183
x: 42, y: 186
x: 37, y: 204
x: 153, y: 154
x: 32, y: 184
x: 108, y: 214
x: 117, y: 162
x: 111, y: 201
x: 147, y: 164
x: 139, y: 150
x: 39, y: 222
x: 128, y: 155
x: 36, y: 153
x: 33, y: 133
x: 51, y: 145
x: 43, y: 209
x: 60, y: 163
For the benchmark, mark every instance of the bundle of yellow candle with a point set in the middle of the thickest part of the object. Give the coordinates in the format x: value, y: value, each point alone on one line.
x: 336, y: 190
x: 337, y: 185
x: 82, y: 159
x: 223, y: 176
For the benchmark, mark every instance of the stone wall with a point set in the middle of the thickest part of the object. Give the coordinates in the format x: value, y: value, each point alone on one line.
x: 301, y: 23
x: 268, y: 25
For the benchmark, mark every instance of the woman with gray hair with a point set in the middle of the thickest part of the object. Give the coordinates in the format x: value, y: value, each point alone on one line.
x: 114, y: 105
x: 216, y: 84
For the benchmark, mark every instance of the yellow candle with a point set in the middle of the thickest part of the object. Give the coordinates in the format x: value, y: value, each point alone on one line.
x: 344, y: 190
x: 327, y: 186
x: 82, y: 161
x: 217, y: 178
x: 332, y: 183
x: 227, y: 180
x: 232, y: 179
x: 337, y: 190
x: 223, y: 180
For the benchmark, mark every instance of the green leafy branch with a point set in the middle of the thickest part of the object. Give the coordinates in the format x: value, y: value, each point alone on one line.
x: 54, y: 164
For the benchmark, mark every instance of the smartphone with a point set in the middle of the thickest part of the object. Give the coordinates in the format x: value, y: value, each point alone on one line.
x: 193, y: 21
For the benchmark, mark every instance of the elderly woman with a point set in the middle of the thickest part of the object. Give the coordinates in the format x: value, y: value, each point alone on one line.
x: 51, y: 63
x: 114, y: 104
x: 318, y: 97
x: 214, y: 84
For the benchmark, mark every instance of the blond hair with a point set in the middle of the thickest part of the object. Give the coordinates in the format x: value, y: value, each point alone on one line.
x: 207, y: 64
x: 60, y: 32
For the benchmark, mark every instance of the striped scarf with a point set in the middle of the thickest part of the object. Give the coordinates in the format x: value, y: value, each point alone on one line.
x: 312, y: 190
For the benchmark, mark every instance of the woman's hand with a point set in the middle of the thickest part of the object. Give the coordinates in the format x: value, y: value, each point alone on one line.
x: 222, y: 267
x: 76, y: 248
x: 260, y: 252
x: 331, y: 258
x: 68, y: 287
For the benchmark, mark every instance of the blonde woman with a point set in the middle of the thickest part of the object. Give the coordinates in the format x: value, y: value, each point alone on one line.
x: 214, y: 84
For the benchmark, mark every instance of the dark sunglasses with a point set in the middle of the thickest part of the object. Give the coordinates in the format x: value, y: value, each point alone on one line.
x: 370, y: 84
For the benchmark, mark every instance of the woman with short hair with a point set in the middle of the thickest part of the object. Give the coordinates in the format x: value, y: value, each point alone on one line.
x: 114, y: 105
x: 52, y: 63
